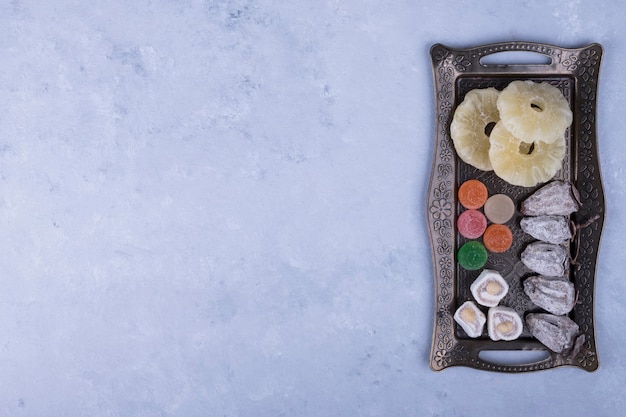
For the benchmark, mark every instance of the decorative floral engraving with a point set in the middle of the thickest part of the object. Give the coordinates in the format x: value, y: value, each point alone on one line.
x: 446, y: 154
x: 441, y: 209
x: 444, y: 170
x: 571, y: 63
x: 443, y: 247
x: 586, y: 357
x: 442, y: 359
x: 461, y: 63
x: 445, y: 263
x: 444, y: 317
x: 460, y: 353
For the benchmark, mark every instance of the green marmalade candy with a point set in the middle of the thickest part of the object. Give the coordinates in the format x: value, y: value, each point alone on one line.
x: 472, y: 255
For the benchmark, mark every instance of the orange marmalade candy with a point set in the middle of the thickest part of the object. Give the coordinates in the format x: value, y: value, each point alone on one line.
x: 472, y: 194
x: 498, y: 238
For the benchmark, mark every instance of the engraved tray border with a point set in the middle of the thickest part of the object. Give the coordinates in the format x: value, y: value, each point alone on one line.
x: 582, y: 66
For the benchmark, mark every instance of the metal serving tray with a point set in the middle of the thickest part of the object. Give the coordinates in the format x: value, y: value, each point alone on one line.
x: 457, y: 71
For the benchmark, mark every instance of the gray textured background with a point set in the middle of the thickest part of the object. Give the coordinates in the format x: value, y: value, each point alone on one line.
x: 216, y: 208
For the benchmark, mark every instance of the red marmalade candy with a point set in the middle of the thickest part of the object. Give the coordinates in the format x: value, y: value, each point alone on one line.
x: 471, y: 224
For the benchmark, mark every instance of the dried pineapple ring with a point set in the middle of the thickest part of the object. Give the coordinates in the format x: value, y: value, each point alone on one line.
x: 469, y: 124
x: 534, y: 111
x: 521, y: 163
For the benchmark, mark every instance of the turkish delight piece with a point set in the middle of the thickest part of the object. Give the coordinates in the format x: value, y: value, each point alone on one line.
x: 489, y: 288
x: 503, y: 323
x: 470, y: 318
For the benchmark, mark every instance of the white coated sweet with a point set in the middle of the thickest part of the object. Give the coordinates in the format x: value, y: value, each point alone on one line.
x: 489, y: 288
x: 503, y: 323
x: 470, y: 318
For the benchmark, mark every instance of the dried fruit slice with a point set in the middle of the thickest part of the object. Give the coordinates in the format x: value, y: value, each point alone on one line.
x: 523, y: 163
x: 534, y: 111
x: 489, y: 288
x: 556, y: 295
x: 470, y: 124
x: 551, y: 229
x: 470, y: 318
x: 558, y: 198
x: 503, y: 323
x: 545, y: 258
x: 558, y: 333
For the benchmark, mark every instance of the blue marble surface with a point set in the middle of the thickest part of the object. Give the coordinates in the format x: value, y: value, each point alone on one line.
x: 216, y: 208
